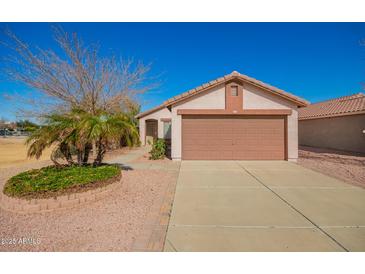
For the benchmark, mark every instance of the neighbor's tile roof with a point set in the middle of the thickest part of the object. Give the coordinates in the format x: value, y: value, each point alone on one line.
x: 336, y: 107
x: 234, y: 75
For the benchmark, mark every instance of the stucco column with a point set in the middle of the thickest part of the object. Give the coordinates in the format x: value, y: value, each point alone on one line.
x: 142, y: 131
x: 160, y: 129
x: 293, y: 135
x: 175, y: 135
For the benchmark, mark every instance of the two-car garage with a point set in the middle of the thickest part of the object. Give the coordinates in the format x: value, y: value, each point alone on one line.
x: 233, y: 137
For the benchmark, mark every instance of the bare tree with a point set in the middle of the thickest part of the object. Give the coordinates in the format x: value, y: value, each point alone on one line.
x: 76, y: 78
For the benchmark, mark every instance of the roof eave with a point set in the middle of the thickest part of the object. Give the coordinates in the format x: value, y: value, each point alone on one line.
x: 147, y: 112
x: 300, y: 102
x: 189, y: 94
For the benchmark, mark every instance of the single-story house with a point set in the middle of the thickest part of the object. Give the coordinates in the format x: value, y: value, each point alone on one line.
x: 337, y: 124
x: 234, y: 117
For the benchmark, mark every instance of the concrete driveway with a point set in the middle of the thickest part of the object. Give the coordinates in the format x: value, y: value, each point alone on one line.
x: 263, y: 206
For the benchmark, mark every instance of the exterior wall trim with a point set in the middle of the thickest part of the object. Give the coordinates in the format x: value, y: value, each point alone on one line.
x: 165, y: 119
x: 234, y: 103
x: 230, y: 112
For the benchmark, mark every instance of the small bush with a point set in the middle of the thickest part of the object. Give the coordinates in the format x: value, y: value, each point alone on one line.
x: 158, y: 149
x: 52, y: 179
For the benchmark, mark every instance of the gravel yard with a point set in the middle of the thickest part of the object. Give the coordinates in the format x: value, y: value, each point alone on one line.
x: 346, y: 166
x: 114, y: 223
x: 111, y: 224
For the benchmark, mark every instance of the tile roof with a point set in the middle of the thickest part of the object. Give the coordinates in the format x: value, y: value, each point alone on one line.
x: 335, y: 107
x: 232, y: 76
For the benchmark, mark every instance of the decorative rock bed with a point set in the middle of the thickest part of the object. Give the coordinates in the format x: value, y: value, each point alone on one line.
x: 70, y: 200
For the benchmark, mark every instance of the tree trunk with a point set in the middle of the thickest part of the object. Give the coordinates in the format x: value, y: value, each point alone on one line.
x: 65, y: 150
x: 94, y: 149
x: 79, y: 157
x: 101, y: 149
x: 86, y: 153
x: 53, y: 158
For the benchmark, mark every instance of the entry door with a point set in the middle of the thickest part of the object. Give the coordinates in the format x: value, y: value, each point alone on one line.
x: 151, y: 131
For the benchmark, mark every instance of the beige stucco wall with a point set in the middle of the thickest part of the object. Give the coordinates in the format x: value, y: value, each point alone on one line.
x: 158, y: 115
x: 256, y: 98
x: 214, y: 99
x: 342, y: 133
x: 253, y: 98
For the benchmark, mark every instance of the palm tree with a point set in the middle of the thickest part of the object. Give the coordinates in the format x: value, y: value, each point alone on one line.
x: 77, y: 130
x: 133, y: 110
x: 59, y: 130
x: 104, y: 129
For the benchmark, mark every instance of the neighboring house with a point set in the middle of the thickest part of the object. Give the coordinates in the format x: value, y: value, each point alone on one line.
x: 234, y: 117
x: 338, y: 124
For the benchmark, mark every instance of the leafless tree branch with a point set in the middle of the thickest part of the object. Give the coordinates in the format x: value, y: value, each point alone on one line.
x: 78, y: 77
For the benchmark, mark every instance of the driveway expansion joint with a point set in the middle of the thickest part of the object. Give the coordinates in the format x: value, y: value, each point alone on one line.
x: 317, y: 187
x: 342, y: 226
x: 222, y: 187
x: 172, y: 246
x: 294, y: 208
x: 243, y: 227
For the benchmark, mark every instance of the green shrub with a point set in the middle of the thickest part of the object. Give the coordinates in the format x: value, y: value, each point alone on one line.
x: 158, y: 149
x: 53, y: 179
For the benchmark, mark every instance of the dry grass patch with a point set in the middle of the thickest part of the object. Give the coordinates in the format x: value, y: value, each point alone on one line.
x: 13, y: 152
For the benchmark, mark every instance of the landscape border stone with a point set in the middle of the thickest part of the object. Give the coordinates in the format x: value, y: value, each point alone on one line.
x: 67, y: 201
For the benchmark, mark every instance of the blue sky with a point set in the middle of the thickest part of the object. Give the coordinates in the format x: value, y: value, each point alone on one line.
x: 316, y: 61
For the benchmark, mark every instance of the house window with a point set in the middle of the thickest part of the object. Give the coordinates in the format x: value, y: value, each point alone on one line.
x: 167, y: 130
x: 234, y: 90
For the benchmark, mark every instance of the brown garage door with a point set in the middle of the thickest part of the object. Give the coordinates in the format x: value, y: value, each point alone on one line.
x: 233, y: 137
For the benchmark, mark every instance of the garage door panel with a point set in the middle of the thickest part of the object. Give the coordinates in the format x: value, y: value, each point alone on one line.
x: 260, y: 141
x: 217, y: 143
x: 212, y: 148
x: 214, y: 130
x: 208, y: 154
x: 254, y: 155
x: 233, y: 137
